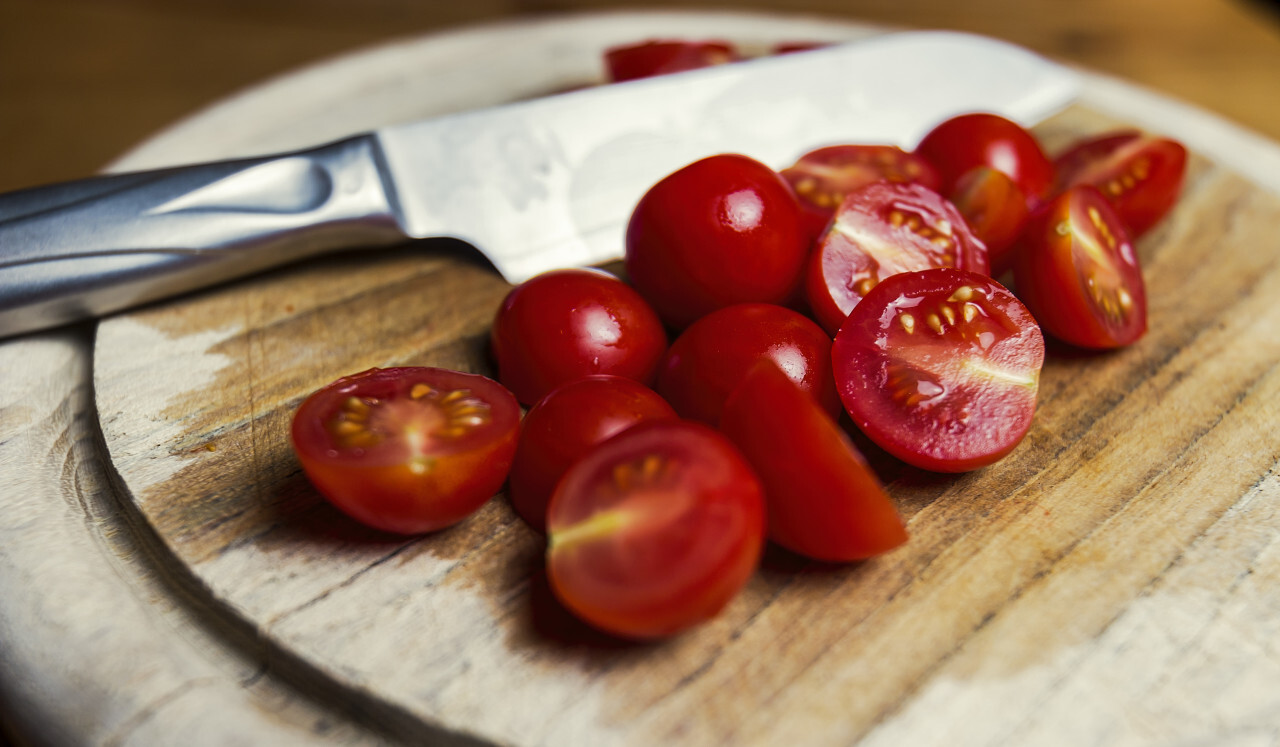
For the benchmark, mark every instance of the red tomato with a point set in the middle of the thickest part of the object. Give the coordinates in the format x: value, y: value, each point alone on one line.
x: 407, y: 450
x: 788, y: 47
x: 821, y: 178
x: 995, y: 210
x: 822, y: 499
x: 880, y: 230
x: 566, y: 324
x: 660, y: 57
x: 1140, y: 176
x: 708, y: 361
x: 1078, y: 272
x: 969, y: 140
x: 719, y: 231
x: 655, y: 530
x: 940, y: 368
x: 564, y: 425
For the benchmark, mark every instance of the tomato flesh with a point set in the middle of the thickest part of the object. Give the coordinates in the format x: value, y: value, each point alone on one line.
x: 940, y: 368
x: 1141, y: 176
x: 407, y: 450
x: 995, y: 210
x: 664, y: 56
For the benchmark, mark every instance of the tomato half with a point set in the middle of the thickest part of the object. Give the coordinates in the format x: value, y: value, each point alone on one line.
x: 823, y: 500
x: 564, y: 425
x: 660, y: 57
x: 720, y: 231
x: 981, y: 139
x: 407, y: 450
x: 710, y: 358
x: 566, y: 324
x: 1078, y: 272
x: 1141, y: 176
x: 880, y: 230
x: 655, y: 530
x: 821, y: 178
x: 995, y: 210
x: 940, y: 368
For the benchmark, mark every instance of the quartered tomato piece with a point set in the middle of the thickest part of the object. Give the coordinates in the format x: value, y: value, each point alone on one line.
x: 1141, y: 176
x: 880, y: 230
x: 940, y: 368
x: 407, y: 450
x: 1078, y: 272
x: 655, y: 530
x: 995, y: 209
x: 661, y: 56
x: 821, y: 178
x: 962, y: 143
x: 823, y: 500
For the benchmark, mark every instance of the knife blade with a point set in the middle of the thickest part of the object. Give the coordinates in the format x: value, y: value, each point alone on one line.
x: 534, y: 185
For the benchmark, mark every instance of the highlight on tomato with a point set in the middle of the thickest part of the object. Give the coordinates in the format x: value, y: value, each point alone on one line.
x: 940, y: 368
x: 1140, y: 175
x: 655, y: 530
x: 407, y: 450
x: 663, y: 56
x: 962, y: 143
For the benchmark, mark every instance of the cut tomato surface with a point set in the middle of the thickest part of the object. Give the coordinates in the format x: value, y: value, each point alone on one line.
x: 996, y: 211
x: 1141, y: 176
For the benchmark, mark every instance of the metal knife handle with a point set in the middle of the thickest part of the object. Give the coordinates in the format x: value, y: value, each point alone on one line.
x: 86, y: 248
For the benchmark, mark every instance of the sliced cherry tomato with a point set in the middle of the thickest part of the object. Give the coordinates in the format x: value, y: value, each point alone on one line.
x: 980, y: 139
x: 1140, y: 176
x: 566, y: 324
x: 407, y: 450
x: 821, y: 178
x: 940, y: 368
x: 660, y: 57
x: 719, y: 231
x: 880, y: 230
x: 708, y: 361
x: 564, y: 425
x: 995, y: 209
x: 823, y: 501
x: 655, y: 530
x: 1078, y: 272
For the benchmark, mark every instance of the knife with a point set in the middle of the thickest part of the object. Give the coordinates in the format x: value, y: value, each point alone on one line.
x: 534, y: 185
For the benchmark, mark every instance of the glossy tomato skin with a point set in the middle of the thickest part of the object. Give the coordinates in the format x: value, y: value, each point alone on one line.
x: 710, y: 358
x: 655, y: 530
x: 1141, y: 176
x: 1078, y: 272
x: 407, y: 450
x: 566, y: 324
x: 982, y: 139
x: 723, y: 230
x: 940, y: 368
x: 823, y: 177
x: 996, y: 211
x: 823, y: 501
x: 664, y: 56
x: 880, y: 230
x: 564, y: 425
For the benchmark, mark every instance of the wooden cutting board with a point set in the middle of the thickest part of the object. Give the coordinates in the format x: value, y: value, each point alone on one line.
x: 1115, y: 580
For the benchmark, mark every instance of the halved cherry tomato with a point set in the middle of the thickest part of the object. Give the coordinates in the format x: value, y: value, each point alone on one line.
x: 940, y: 368
x: 995, y: 210
x: 660, y: 57
x: 1141, y: 176
x: 407, y: 450
x: 823, y: 501
x: 880, y: 230
x: 821, y: 178
x: 980, y: 139
x: 566, y: 324
x: 708, y: 361
x: 564, y: 425
x: 655, y: 530
x: 1078, y: 272
x: 719, y: 231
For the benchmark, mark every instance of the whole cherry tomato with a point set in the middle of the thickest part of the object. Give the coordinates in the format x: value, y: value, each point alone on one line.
x: 719, y: 231
x: 995, y: 210
x: 980, y: 139
x: 1141, y: 176
x: 566, y: 324
x: 407, y: 450
x: 662, y: 56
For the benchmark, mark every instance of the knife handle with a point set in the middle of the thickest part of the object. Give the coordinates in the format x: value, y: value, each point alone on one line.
x: 87, y: 248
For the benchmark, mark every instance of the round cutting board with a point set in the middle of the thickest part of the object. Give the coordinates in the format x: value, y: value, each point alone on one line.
x: 1114, y: 580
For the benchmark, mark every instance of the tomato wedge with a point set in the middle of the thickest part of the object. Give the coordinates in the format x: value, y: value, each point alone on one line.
x: 996, y: 211
x: 663, y: 56
x: 407, y: 450
x: 1141, y: 176
x: 940, y: 368
x: 823, y: 500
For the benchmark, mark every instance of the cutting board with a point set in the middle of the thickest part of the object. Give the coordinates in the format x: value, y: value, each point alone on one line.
x: 1115, y: 580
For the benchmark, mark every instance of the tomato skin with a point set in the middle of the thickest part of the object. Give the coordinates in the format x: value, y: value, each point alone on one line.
x: 564, y: 425
x: 655, y: 530
x: 940, y: 368
x: 1141, y: 176
x: 1078, y: 272
x: 411, y: 462
x: 879, y: 230
x: 823, y: 500
x: 981, y: 139
x: 996, y: 211
x: 722, y: 230
x: 709, y: 359
x: 566, y: 324
x: 662, y: 56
